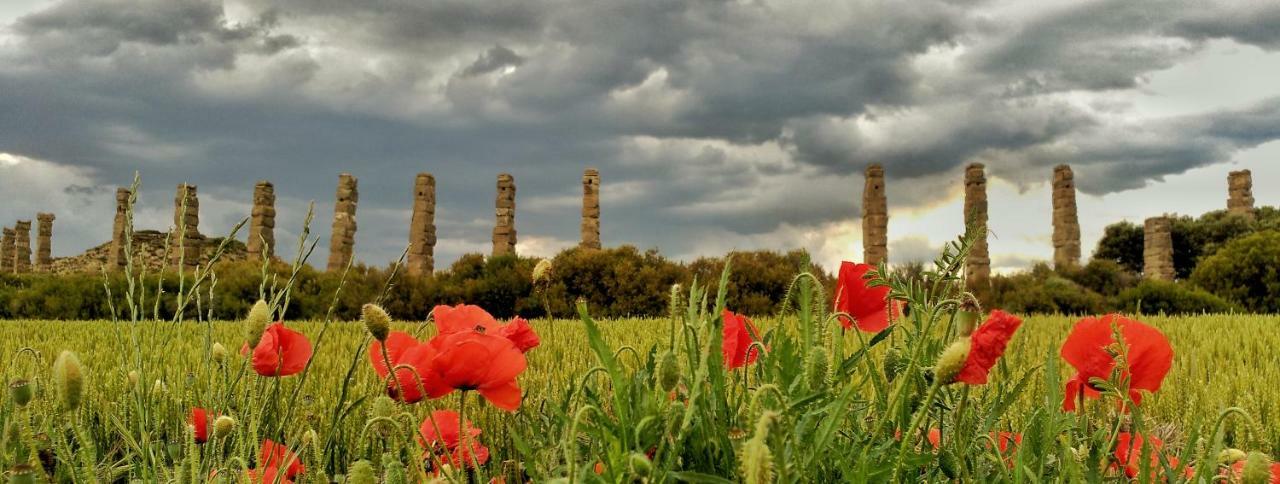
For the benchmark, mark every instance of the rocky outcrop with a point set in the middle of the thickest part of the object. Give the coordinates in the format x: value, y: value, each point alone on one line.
x: 148, y: 252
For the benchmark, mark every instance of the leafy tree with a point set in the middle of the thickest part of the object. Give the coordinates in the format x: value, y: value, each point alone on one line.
x: 1246, y: 270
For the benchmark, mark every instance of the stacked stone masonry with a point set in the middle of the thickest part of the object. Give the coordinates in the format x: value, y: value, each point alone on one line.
x: 875, y: 217
x: 44, y: 236
x: 1157, y: 249
x: 6, y: 251
x: 422, y: 226
x: 504, y: 230
x: 262, y: 222
x: 1066, y: 222
x: 186, y: 241
x: 342, y: 242
x: 119, y: 228
x: 22, y: 246
x: 978, y: 265
x: 591, y: 208
x: 1240, y: 192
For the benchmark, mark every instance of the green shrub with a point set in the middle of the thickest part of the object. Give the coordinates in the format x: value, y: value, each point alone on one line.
x: 1041, y: 290
x: 1153, y: 297
x: 1246, y: 271
x: 1103, y: 276
x: 759, y: 278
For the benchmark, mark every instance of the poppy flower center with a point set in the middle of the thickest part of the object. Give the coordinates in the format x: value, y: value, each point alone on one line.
x: 480, y: 329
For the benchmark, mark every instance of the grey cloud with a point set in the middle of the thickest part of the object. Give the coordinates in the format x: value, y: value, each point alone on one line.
x: 493, y: 59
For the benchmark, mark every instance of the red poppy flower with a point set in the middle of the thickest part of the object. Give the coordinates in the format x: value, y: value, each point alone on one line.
x: 739, y: 334
x: 1090, y: 349
x: 466, y: 317
x: 281, y: 352
x: 474, y: 361
x: 1237, y: 471
x: 869, y: 306
x: 276, y: 456
x: 200, y: 422
x: 447, y: 443
x: 935, y: 438
x: 1131, y: 449
x: 1007, y: 442
x: 397, y: 343
x: 269, y: 475
x: 986, y: 344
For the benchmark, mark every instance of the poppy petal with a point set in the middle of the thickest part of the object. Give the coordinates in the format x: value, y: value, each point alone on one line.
x: 463, y: 317
x: 505, y: 396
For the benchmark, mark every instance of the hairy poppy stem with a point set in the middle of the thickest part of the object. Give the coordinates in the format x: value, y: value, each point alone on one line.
x: 911, y: 429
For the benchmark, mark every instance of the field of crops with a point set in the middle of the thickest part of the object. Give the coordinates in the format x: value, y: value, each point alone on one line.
x: 1221, y: 361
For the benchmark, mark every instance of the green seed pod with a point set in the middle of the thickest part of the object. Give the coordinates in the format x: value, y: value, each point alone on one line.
x: 68, y: 379
x: 893, y: 363
x: 668, y: 371
x: 376, y: 321
x: 949, y: 464
x: 362, y: 473
x: 223, y: 426
x: 966, y: 321
x: 1231, y: 456
x: 383, y: 407
x: 393, y: 471
x: 951, y: 361
x: 1257, y: 469
x: 542, y: 271
x: 21, y: 391
x: 817, y: 367
x: 219, y: 353
x: 640, y: 464
x: 257, y: 321
x: 757, y: 459
x: 22, y: 474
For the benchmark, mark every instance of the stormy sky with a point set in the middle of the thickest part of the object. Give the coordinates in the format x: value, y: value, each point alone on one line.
x: 715, y: 124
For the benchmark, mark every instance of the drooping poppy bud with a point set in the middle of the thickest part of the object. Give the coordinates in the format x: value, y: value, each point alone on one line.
x: 668, y: 371
x: 20, y: 392
x: 219, y: 353
x: 257, y: 321
x: 893, y: 363
x: 1231, y: 456
x: 376, y: 321
x: 22, y: 474
x: 362, y: 473
x: 817, y: 367
x: 1257, y: 469
x: 68, y: 378
x: 640, y: 463
x: 223, y: 426
x: 757, y: 459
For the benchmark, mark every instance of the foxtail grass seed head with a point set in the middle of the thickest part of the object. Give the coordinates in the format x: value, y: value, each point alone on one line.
x: 362, y: 473
x: 542, y: 271
x: 951, y: 361
x: 393, y: 471
x: 757, y: 459
x: 668, y: 371
x: 310, y: 438
x: 219, y: 353
x: 1231, y: 456
x: 815, y: 370
x: 1257, y: 469
x: 223, y: 426
x: 68, y: 380
x: 257, y: 321
x: 677, y: 301
x: 376, y: 321
x: 21, y: 391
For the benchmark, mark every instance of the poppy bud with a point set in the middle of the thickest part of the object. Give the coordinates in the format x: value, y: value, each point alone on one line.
x: 22, y: 474
x: 376, y: 321
x: 257, y: 321
x: 310, y: 437
x: 20, y: 391
x: 542, y: 271
x: 1230, y: 456
x: 383, y: 407
x: 68, y: 379
x: 1257, y: 469
x: 223, y: 426
x: 640, y: 463
x: 219, y: 353
x: 392, y: 469
x: 133, y: 378
x: 757, y: 459
x: 951, y: 361
x: 668, y: 371
x: 815, y: 370
x: 893, y: 363
x: 361, y: 473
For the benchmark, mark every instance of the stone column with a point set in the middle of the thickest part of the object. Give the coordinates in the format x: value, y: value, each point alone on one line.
x: 1240, y: 193
x: 422, y: 226
x: 342, y: 242
x: 118, y: 258
x: 978, y: 266
x: 504, y: 232
x: 1066, y: 222
x: 22, y: 246
x: 185, y: 242
x: 591, y: 209
x: 1157, y: 249
x: 44, y: 236
x: 262, y: 221
x: 875, y: 217
x: 6, y: 251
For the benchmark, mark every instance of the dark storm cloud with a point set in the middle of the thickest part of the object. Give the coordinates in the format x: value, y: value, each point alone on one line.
x: 737, y: 116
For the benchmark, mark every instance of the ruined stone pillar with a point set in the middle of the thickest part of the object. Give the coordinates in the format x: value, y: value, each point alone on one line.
x: 22, y: 246
x: 1066, y: 222
x: 978, y: 265
x: 186, y: 240
x: 1240, y: 193
x: 422, y: 226
x: 504, y: 232
x: 591, y: 209
x: 44, y: 236
x: 262, y: 221
x: 6, y: 251
x: 1157, y: 249
x: 342, y: 242
x: 875, y: 217
x: 118, y: 258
